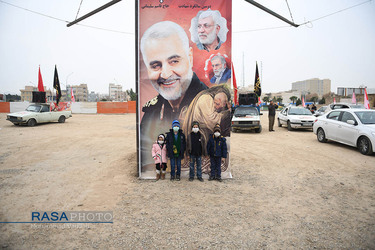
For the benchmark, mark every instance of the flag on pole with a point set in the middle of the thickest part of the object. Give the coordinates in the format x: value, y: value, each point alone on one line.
x: 366, y: 102
x: 72, y: 95
x: 303, y: 102
x: 334, y: 100
x: 40, y: 82
x: 56, y: 85
x: 354, y: 100
x: 257, y: 87
x: 234, y: 87
x: 259, y: 101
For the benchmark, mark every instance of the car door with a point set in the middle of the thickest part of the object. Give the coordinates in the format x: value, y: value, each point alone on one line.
x: 347, y: 133
x: 331, y: 124
x: 44, y: 115
x: 283, y: 116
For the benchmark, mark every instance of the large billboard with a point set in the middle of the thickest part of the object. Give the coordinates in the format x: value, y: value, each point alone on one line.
x: 184, y: 73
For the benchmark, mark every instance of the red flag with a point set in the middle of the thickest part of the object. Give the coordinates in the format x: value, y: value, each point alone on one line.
x: 40, y: 82
x: 366, y: 102
x: 334, y: 100
x: 259, y: 101
x: 354, y: 100
x: 303, y: 102
x: 72, y: 96
x: 234, y: 87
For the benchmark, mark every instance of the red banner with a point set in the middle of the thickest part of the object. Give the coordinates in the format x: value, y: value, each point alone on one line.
x: 184, y: 63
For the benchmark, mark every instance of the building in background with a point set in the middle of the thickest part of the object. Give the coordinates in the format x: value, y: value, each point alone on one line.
x: 284, y: 95
x: 116, y: 93
x: 80, y: 92
x: 93, y: 97
x: 313, y: 86
x: 342, y: 91
x: 27, y: 94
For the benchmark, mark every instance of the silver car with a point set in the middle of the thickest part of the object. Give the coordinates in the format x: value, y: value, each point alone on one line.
x: 353, y: 127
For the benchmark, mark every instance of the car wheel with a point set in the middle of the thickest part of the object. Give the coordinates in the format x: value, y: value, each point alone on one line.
x: 258, y: 130
x: 289, y: 126
x: 62, y: 119
x: 31, y: 123
x: 321, y: 136
x: 364, y: 145
x: 278, y: 123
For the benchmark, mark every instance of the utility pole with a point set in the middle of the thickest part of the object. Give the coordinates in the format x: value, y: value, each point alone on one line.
x: 243, y: 69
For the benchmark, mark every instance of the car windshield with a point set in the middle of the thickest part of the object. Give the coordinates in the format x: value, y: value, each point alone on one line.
x: 366, y: 117
x: 33, y: 108
x: 299, y: 111
x: 245, y: 111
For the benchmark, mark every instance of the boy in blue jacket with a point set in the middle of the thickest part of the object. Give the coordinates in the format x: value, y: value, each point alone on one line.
x: 176, y: 145
x: 216, y: 149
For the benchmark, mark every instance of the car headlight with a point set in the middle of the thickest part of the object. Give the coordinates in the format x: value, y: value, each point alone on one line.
x: 256, y: 123
x: 19, y: 118
x: 295, y: 121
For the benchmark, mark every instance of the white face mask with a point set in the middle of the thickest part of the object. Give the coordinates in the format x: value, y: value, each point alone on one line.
x: 160, y: 142
x: 175, y: 129
x: 217, y: 134
x: 195, y: 130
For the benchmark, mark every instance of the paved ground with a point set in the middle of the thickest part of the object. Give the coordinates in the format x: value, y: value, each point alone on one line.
x: 288, y: 191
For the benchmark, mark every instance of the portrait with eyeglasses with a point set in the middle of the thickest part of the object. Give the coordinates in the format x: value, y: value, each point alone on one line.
x: 208, y: 30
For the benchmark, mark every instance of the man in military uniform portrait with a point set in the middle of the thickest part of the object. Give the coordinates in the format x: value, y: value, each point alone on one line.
x: 169, y: 61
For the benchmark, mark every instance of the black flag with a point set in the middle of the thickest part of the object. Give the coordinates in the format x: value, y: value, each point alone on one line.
x: 257, y: 87
x: 56, y: 85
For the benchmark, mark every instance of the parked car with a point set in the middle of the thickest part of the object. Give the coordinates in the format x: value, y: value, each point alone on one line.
x: 320, y: 111
x: 38, y: 113
x: 295, y: 117
x: 353, y: 127
x: 246, y: 118
x: 334, y: 106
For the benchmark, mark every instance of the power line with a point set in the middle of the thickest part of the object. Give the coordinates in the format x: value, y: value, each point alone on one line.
x: 289, y: 10
x: 79, y: 9
x: 305, y: 23
x: 65, y: 21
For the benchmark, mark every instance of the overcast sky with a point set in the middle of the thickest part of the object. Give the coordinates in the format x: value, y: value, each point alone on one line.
x: 340, y: 47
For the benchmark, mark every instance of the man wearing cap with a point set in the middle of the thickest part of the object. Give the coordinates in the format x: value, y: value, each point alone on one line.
x: 176, y: 145
x: 216, y: 149
x: 169, y: 62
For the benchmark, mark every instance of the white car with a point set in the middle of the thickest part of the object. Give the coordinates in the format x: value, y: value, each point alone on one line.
x: 353, y: 127
x: 246, y: 118
x: 296, y: 117
x: 38, y: 113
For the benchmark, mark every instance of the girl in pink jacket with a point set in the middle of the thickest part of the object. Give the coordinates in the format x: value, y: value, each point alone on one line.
x: 159, y: 154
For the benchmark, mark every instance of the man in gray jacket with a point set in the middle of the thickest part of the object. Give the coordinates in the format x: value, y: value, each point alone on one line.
x: 271, y: 115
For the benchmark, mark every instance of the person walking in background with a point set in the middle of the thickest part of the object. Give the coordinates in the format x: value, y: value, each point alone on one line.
x: 216, y: 149
x: 271, y: 115
x: 195, y: 151
x: 176, y: 145
x: 159, y: 154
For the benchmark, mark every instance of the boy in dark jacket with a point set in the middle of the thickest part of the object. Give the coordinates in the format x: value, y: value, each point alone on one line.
x: 195, y: 151
x: 176, y: 145
x: 216, y: 149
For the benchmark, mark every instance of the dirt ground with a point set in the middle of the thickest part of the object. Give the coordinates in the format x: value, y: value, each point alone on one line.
x: 288, y: 191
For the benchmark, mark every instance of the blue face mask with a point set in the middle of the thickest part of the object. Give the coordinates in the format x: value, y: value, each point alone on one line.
x: 175, y: 129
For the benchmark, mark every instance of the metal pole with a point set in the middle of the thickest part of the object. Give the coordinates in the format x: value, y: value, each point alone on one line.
x: 271, y: 12
x: 93, y: 12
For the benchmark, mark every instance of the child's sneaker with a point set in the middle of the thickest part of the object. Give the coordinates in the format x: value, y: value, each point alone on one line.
x: 191, y: 179
x: 177, y: 178
x: 211, y: 178
x: 172, y: 178
x: 200, y: 179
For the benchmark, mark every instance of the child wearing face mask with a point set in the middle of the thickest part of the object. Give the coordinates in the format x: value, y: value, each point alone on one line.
x: 195, y: 151
x: 176, y: 145
x: 216, y: 149
x: 159, y: 154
